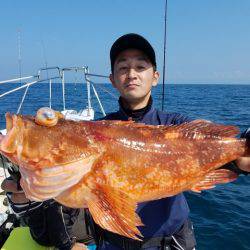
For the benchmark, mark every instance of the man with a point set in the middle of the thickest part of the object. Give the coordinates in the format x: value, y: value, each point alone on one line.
x: 166, y: 221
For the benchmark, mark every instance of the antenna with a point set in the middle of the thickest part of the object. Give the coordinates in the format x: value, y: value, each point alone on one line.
x: 45, y: 58
x: 164, y: 53
x: 19, y: 54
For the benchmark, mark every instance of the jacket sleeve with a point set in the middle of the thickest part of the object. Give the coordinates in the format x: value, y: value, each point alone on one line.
x: 246, y: 134
x: 51, y: 224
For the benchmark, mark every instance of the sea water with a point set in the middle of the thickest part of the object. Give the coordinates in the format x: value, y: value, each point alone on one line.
x: 221, y: 216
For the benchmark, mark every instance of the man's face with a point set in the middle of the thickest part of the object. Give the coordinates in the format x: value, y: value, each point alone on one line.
x: 134, y: 75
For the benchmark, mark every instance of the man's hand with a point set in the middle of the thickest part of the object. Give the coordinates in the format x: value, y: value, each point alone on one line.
x: 79, y: 246
x: 243, y: 163
x: 17, y: 195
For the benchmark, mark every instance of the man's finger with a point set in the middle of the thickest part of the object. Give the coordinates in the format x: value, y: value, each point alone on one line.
x: 79, y: 246
x: 10, y: 186
x: 18, y: 198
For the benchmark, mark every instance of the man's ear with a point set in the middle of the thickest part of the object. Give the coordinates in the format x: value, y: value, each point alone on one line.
x: 156, y: 78
x: 111, y: 78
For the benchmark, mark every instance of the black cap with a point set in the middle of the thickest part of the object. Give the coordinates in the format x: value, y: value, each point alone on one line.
x: 131, y: 41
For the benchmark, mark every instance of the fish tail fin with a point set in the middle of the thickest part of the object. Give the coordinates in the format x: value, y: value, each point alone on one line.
x: 218, y: 176
x: 114, y: 210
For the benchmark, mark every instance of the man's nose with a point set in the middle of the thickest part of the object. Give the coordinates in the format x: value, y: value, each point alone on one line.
x: 131, y: 73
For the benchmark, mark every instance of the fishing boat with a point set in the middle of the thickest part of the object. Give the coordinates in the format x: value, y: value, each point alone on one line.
x: 57, y: 74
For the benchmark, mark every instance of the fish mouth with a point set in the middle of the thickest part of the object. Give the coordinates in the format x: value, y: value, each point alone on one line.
x: 9, y: 142
x: 10, y: 120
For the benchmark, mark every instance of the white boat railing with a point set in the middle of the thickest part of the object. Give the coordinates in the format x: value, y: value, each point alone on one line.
x: 59, y: 73
x: 17, y: 79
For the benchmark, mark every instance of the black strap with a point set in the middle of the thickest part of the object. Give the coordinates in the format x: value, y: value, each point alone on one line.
x: 157, y: 242
x: 130, y: 244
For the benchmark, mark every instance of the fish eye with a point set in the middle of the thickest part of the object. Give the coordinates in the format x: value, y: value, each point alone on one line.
x: 46, y: 117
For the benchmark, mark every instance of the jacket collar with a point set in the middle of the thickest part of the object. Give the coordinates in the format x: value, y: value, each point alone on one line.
x: 136, y: 115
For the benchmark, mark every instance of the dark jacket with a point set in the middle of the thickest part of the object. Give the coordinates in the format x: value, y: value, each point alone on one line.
x: 161, y: 217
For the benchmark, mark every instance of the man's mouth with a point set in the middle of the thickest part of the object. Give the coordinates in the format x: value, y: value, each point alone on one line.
x: 131, y: 85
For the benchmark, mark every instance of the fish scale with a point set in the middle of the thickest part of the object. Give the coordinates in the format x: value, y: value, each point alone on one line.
x: 111, y: 166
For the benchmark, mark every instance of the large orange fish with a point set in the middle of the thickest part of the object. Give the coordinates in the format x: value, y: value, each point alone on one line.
x: 110, y: 166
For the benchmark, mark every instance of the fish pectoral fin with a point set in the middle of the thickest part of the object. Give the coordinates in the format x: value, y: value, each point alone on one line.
x: 218, y: 176
x: 114, y: 210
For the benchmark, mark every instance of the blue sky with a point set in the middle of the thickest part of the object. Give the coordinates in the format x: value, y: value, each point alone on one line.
x: 208, y: 41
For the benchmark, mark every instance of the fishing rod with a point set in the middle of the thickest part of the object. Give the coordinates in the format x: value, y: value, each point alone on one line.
x: 164, y: 54
x: 19, y: 55
x: 44, y: 57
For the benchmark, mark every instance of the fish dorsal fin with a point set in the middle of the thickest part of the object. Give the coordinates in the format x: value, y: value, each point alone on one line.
x: 200, y: 129
x: 114, y: 210
x: 115, y: 122
x: 129, y: 124
x: 218, y: 176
